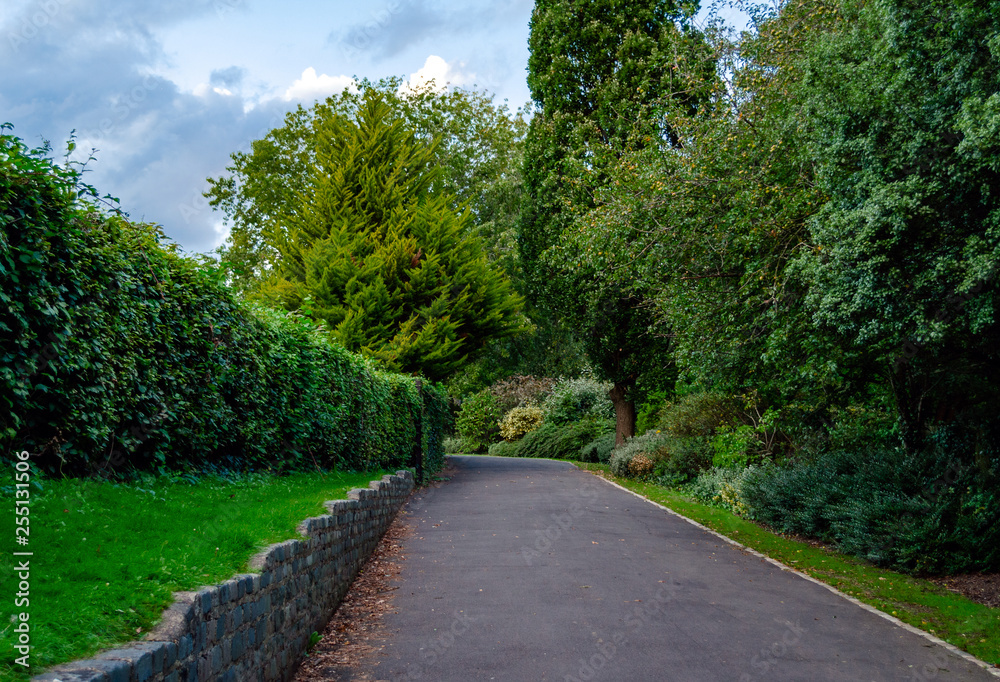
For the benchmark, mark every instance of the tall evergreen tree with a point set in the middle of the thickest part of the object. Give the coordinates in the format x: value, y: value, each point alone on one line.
x: 375, y: 249
x: 600, y: 73
x: 479, y: 151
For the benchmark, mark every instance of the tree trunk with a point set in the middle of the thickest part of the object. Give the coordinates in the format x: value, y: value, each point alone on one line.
x: 624, y: 412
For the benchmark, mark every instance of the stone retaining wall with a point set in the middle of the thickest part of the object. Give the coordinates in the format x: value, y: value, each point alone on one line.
x: 256, y: 627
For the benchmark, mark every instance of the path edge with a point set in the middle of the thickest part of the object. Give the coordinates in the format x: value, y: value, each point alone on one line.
x: 857, y: 602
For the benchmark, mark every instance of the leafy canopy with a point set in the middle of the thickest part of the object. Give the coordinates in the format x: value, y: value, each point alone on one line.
x: 600, y: 74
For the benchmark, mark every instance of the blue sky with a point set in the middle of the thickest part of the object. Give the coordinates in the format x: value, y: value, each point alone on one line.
x: 166, y: 90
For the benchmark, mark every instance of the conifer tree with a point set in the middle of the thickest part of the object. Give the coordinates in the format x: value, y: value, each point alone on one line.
x: 373, y: 248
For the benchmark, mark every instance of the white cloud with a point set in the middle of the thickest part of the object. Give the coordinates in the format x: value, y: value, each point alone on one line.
x: 311, y: 87
x: 202, y: 89
x: 441, y: 72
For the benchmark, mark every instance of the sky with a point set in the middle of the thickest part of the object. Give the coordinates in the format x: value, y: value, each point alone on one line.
x: 167, y: 90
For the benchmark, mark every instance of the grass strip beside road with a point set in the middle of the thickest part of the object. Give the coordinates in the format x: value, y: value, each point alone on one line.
x: 972, y: 627
x: 108, y: 556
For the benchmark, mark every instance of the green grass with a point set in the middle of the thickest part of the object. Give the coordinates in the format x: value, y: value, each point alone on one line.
x: 969, y: 626
x: 108, y: 556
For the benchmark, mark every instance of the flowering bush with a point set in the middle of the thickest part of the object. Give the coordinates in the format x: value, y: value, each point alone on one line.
x: 520, y: 421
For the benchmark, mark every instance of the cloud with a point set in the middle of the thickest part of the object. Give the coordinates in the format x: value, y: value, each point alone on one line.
x: 156, y: 144
x: 439, y: 72
x: 399, y: 24
x: 311, y: 87
x: 97, y: 67
x: 230, y: 78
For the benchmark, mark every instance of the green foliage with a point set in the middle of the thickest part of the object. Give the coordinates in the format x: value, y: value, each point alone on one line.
x: 681, y: 460
x: 558, y: 441
x: 699, y: 414
x: 646, y: 445
x: 599, y: 449
x: 651, y: 412
x: 575, y: 399
x: 376, y: 252
x: 934, y: 511
x: 522, y: 391
x: 547, y: 349
x: 478, y: 421
x: 600, y: 74
x: 453, y: 445
x: 478, y: 154
x: 124, y: 355
x: 503, y: 449
x: 733, y: 447
x: 437, y: 421
x: 847, y: 245
x: 520, y: 421
x: 903, y: 260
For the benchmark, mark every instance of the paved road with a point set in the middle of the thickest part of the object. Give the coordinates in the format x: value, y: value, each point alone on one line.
x: 534, y: 570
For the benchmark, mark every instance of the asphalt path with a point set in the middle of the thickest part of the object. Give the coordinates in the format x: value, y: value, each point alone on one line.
x: 523, y: 569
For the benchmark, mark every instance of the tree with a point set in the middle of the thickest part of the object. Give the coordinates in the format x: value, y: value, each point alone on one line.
x: 902, y: 118
x: 374, y: 247
x: 825, y: 231
x: 600, y: 74
x: 704, y: 224
x: 478, y: 150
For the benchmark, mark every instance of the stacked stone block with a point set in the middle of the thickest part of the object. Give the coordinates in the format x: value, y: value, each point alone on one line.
x: 255, y: 628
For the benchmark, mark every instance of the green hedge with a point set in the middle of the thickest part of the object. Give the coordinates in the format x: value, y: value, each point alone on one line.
x: 123, y: 354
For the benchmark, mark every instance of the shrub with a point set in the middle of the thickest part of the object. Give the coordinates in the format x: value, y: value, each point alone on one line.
x: 561, y: 441
x: 128, y: 356
x: 576, y: 399
x: 504, y: 449
x: 652, y: 411
x: 521, y: 391
x: 453, y: 446
x: 599, y: 449
x: 681, y: 459
x: 646, y: 445
x: 933, y: 511
x: 477, y: 421
x: 699, y: 414
x: 520, y: 421
x: 734, y: 447
x: 640, y: 465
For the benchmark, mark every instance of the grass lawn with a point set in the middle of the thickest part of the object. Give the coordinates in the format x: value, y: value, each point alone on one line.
x: 108, y: 556
x: 969, y: 626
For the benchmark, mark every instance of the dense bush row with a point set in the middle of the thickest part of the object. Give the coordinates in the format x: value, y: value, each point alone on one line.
x: 122, y: 354
x: 937, y: 511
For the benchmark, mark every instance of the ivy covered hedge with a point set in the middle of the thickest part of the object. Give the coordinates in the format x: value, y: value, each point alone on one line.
x: 121, y: 354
